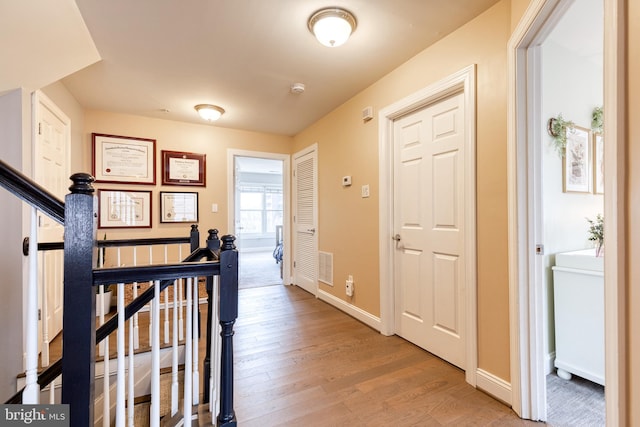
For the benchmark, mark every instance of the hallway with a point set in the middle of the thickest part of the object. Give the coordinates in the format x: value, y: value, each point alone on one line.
x: 302, y: 362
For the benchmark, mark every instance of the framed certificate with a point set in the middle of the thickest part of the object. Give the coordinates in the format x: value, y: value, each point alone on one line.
x: 124, y: 209
x: 180, y: 168
x: 124, y: 159
x: 178, y: 207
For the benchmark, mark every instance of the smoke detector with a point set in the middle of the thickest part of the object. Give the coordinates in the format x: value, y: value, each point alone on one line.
x: 297, y: 88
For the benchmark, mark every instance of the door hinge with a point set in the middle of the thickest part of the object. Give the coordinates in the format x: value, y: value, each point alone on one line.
x: 539, y: 249
x: 294, y: 264
x: 39, y: 128
x: 39, y: 314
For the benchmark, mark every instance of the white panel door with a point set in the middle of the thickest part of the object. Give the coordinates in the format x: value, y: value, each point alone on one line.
x: 429, y: 226
x: 305, y: 217
x: 50, y: 167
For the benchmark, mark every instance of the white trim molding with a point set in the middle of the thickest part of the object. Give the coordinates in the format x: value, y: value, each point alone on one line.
x: 286, y: 192
x: 353, y: 311
x: 497, y: 387
x: 462, y: 81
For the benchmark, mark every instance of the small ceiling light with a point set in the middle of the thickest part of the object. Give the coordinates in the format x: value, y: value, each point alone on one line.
x: 209, y: 112
x: 332, y: 26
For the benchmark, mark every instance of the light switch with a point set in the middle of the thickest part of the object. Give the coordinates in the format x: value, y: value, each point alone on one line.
x: 214, y: 207
x: 365, y: 190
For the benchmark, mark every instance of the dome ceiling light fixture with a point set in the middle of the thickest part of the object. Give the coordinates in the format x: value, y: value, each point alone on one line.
x: 332, y: 26
x: 209, y: 112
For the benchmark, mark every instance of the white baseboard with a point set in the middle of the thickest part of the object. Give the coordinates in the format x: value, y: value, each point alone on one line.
x: 549, y: 363
x: 353, y: 311
x: 496, y: 387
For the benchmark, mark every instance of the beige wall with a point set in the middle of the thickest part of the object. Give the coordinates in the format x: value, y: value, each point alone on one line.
x: 178, y: 136
x: 633, y: 222
x: 348, y: 224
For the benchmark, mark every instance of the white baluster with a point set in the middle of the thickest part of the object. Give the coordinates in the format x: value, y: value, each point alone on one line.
x: 187, y: 398
x: 31, y: 394
x: 166, y: 304
x: 131, y: 378
x: 214, y: 396
x: 52, y: 392
x: 174, y: 352
x: 151, y: 305
x: 44, y: 324
x: 155, y: 357
x: 180, y: 313
x: 136, y: 330
x: 120, y: 390
x: 180, y: 293
x: 196, y: 321
x: 106, y: 398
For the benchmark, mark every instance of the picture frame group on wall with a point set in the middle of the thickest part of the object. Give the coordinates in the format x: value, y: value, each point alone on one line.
x: 124, y: 209
x: 182, y: 168
x: 123, y: 159
x: 178, y: 206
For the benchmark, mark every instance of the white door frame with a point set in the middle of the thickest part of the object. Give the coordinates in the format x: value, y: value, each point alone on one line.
x: 286, y: 195
x: 463, y: 80
x: 527, y: 370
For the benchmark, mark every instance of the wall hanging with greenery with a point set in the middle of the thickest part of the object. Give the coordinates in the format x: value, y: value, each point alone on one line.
x: 558, y: 128
x: 597, y: 120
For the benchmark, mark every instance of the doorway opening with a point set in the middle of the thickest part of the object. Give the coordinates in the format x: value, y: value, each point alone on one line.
x: 537, y: 239
x: 258, y: 215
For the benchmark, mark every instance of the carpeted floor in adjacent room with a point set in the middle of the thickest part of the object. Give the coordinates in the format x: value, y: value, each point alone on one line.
x: 257, y: 269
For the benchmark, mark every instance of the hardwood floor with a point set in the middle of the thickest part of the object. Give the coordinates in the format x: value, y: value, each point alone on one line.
x: 301, y: 362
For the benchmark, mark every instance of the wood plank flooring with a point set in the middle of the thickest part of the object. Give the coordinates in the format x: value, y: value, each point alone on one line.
x: 301, y: 362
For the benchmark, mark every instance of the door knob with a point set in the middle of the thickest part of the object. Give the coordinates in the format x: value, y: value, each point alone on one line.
x: 396, y: 237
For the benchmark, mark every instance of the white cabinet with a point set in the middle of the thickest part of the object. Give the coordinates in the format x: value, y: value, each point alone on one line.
x: 578, y: 290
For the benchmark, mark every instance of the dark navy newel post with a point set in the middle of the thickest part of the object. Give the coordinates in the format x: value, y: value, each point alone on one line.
x: 228, y: 315
x: 213, y: 244
x: 194, y: 237
x: 79, y: 317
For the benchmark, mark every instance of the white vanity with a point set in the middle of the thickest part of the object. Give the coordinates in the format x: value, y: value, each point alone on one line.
x: 578, y: 289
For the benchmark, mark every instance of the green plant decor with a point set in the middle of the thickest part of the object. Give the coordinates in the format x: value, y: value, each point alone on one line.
x: 558, y: 128
x: 596, y: 232
x: 597, y: 120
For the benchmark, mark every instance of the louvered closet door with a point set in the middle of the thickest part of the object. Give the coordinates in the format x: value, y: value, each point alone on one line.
x: 306, y: 221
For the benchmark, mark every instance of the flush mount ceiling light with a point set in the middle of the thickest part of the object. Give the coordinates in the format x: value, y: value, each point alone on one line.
x: 332, y: 26
x: 209, y: 112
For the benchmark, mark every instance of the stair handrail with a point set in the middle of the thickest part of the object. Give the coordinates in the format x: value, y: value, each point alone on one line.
x: 30, y: 192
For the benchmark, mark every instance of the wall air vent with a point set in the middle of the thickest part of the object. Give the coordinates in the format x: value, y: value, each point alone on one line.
x: 325, y: 270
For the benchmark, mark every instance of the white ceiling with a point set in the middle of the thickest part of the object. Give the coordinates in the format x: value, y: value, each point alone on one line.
x: 162, y: 57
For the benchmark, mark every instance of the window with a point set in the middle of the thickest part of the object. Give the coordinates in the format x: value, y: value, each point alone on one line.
x: 260, y: 208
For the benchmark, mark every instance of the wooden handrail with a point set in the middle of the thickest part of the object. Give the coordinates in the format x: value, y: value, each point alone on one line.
x: 29, y: 191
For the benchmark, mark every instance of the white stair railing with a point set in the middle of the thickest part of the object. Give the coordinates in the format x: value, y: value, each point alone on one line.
x: 31, y: 392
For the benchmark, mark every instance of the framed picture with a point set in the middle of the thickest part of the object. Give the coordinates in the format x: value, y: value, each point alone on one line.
x: 598, y: 163
x: 178, y: 207
x: 180, y: 168
x: 124, y: 209
x: 124, y: 159
x: 577, y: 161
